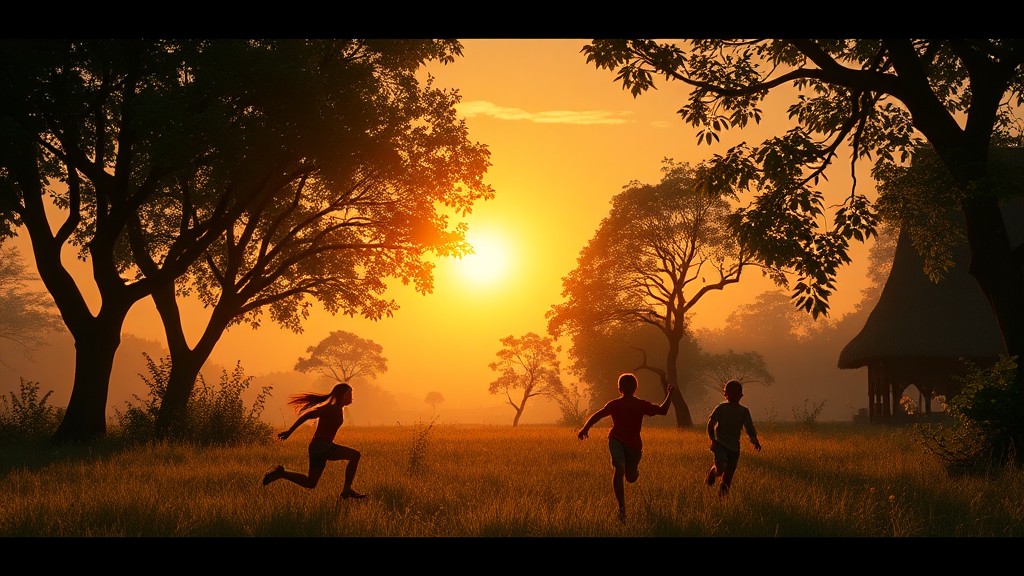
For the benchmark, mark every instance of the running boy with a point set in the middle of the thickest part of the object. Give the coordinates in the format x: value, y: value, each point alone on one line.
x: 724, y: 427
x: 624, y: 443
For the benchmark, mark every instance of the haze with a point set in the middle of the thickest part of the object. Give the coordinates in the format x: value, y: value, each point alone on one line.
x: 564, y: 138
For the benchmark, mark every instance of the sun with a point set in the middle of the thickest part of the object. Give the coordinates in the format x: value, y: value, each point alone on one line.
x: 490, y: 261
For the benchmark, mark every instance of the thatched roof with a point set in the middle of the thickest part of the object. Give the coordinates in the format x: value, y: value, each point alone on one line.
x: 917, y: 318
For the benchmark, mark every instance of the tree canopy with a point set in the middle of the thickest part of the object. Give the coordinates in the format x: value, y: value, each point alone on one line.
x: 166, y: 160
x: 530, y: 364
x: 26, y: 315
x: 343, y: 356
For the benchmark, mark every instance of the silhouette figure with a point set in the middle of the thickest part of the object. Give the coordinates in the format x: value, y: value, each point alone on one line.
x: 326, y: 409
x: 726, y: 422
x: 624, y: 441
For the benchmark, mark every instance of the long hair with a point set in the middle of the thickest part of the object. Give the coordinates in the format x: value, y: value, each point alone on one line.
x: 307, y: 400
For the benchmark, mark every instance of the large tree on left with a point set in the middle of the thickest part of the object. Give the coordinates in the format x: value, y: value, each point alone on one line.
x: 100, y: 138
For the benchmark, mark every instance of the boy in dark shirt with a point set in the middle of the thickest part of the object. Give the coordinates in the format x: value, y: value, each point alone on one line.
x: 624, y: 442
x: 726, y: 422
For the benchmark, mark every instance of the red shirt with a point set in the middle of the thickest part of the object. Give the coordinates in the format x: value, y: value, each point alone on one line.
x: 627, y: 414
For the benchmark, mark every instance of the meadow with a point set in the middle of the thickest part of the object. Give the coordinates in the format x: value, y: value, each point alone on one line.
x: 447, y: 480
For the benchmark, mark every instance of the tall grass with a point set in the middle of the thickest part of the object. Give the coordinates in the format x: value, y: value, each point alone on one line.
x: 837, y: 480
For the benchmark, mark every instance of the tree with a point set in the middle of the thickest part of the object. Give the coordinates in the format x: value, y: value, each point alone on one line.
x: 885, y: 100
x: 344, y: 221
x: 571, y: 405
x: 26, y: 315
x: 528, y: 363
x: 661, y: 249
x: 154, y: 151
x: 434, y: 398
x: 716, y: 369
x: 342, y: 356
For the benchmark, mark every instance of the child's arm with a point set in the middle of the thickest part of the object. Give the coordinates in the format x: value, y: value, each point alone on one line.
x: 663, y: 407
x: 584, y: 432
x: 305, y: 416
x: 748, y: 423
x: 712, y: 421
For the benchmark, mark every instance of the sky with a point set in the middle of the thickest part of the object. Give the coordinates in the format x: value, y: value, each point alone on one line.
x: 564, y: 139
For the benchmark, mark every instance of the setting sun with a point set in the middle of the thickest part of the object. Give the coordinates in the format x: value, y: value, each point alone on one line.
x: 490, y: 261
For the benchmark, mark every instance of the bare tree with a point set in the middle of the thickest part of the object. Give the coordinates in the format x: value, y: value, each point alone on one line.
x: 528, y: 364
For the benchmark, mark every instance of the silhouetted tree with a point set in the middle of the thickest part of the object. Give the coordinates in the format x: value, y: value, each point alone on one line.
x: 528, y: 363
x: 26, y: 315
x: 342, y: 356
x: 434, y: 398
x: 651, y: 260
x: 715, y: 370
x: 884, y: 99
x: 152, y: 151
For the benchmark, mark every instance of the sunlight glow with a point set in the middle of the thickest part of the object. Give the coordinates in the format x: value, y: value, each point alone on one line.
x: 489, y: 262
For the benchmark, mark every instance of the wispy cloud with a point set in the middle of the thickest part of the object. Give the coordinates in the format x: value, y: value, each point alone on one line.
x: 585, y: 117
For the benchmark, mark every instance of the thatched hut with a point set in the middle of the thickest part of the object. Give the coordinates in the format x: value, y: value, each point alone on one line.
x: 920, y: 333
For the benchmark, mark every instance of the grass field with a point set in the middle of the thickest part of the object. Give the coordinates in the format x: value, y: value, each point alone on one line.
x: 833, y: 480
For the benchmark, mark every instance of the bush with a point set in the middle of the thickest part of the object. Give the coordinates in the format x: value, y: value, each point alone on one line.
x: 986, y: 424
x: 26, y: 417
x: 213, y: 415
x: 807, y: 416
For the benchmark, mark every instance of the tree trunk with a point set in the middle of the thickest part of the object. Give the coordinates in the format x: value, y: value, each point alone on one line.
x: 520, y: 409
x: 186, y: 362
x: 682, y: 409
x: 85, y: 419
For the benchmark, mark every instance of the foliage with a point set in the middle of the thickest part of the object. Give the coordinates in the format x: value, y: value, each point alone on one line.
x: 849, y: 92
x: 261, y: 176
x: 807, y: 416
x: 343, y: 356
x: 26, y: 417
x: 26, y: 315
x: 986, y: 427
x: 529, y: 363
x: 570, y: 403
x: 213, y: 416
x: 420, y: 443
x: 909, y: 405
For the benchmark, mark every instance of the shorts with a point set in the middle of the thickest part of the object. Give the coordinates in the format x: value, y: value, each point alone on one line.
x: 623, y: 455
x: 723, y: 456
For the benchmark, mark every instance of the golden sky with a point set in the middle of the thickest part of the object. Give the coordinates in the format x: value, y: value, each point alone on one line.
x: 564, y: 138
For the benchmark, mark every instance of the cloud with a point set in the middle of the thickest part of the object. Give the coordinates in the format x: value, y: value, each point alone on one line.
x: 585, y: 117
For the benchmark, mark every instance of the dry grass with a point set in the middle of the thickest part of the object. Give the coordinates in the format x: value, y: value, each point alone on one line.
x: 837, y: 480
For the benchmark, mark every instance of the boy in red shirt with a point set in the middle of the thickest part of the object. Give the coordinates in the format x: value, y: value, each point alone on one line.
x: 624, y: 443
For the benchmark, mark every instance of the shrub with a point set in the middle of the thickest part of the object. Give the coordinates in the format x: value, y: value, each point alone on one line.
x: 420, y: 442
x: 570, y: 400
x: 26, y: 417
x: 808, y: 415
x: 986, y: 427
x: 213, y: 415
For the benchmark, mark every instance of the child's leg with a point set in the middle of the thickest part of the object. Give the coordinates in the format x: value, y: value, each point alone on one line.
x: 619, y: 487
x: 632, y: 472
x: 728, y: 471
x: 618, y: 452
x: 310, y: 479
x: 352, y: 455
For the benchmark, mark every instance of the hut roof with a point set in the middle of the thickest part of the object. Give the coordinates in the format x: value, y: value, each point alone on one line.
x: 918, y: 318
